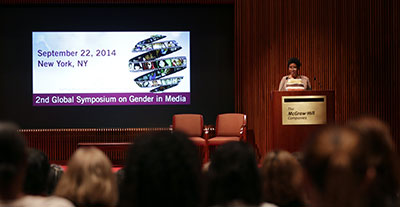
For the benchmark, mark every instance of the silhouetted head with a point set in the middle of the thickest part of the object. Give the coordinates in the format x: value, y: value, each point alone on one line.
x: 37, y: 173
x: 162, y: 169
x: 12, y: 161
x: 233, y: 175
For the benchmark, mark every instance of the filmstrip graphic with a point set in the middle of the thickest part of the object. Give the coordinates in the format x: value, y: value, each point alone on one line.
x: 158, y: 68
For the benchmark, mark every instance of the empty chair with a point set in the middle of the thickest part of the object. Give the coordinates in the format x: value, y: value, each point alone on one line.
x: 229, y: 127
x: 193, y: 126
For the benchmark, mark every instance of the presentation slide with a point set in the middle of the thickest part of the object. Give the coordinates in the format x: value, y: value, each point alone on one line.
x: 110, y: 68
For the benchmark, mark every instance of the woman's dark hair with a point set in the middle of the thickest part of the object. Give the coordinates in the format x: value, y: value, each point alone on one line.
x: 12, y: 154
x: 233, y: 175
x: 37, y: 173
x: 162, y: 169
x: 295, y: 61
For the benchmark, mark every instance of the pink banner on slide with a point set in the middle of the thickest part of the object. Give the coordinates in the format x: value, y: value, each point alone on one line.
x: 108, y: 99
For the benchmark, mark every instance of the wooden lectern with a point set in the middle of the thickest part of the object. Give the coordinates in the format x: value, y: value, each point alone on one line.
x: 296, y: 114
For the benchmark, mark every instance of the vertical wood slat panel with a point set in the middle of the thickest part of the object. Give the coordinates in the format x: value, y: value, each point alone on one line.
x: 349, y: 46
x: 395, y: 57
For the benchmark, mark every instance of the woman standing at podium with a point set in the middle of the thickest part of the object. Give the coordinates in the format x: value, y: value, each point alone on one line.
x: 294, y: 81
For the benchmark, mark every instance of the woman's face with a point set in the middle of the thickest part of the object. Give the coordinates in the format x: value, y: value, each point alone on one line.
x: 293, y: 70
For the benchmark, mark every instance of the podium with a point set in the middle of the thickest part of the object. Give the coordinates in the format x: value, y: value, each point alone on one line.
x: 295, y: 115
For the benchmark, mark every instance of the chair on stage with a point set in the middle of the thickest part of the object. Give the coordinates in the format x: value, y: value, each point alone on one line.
x: 229, y: 127
x: 193, y: 126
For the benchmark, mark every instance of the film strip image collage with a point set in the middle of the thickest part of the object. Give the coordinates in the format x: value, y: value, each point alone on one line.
x: 158, y: 70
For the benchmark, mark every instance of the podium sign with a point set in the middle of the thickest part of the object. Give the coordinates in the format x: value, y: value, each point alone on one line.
x: 295, y: 115
x: 303, y: 110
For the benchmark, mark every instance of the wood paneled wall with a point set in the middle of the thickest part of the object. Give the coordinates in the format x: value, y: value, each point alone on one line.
x: 349, y: 46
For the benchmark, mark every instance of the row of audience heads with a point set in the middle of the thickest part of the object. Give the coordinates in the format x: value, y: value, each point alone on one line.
x: 352, y: 165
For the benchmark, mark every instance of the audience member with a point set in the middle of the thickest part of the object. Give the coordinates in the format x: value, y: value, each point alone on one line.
x: 88, y: 180
x: 162, y: 169
x: 330, y: 162
x: 12, y: 162
x: 344, y: 166
x: 353, y: 166
x: 13, y: 165
x: 37, y: 173
x: 282, y: 178
x: 379, y: 164
x: 233, y: 176
x: 55, y: 173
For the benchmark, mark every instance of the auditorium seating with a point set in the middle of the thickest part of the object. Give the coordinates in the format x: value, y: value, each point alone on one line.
x: 229, y: 127
x: 193, y: 126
